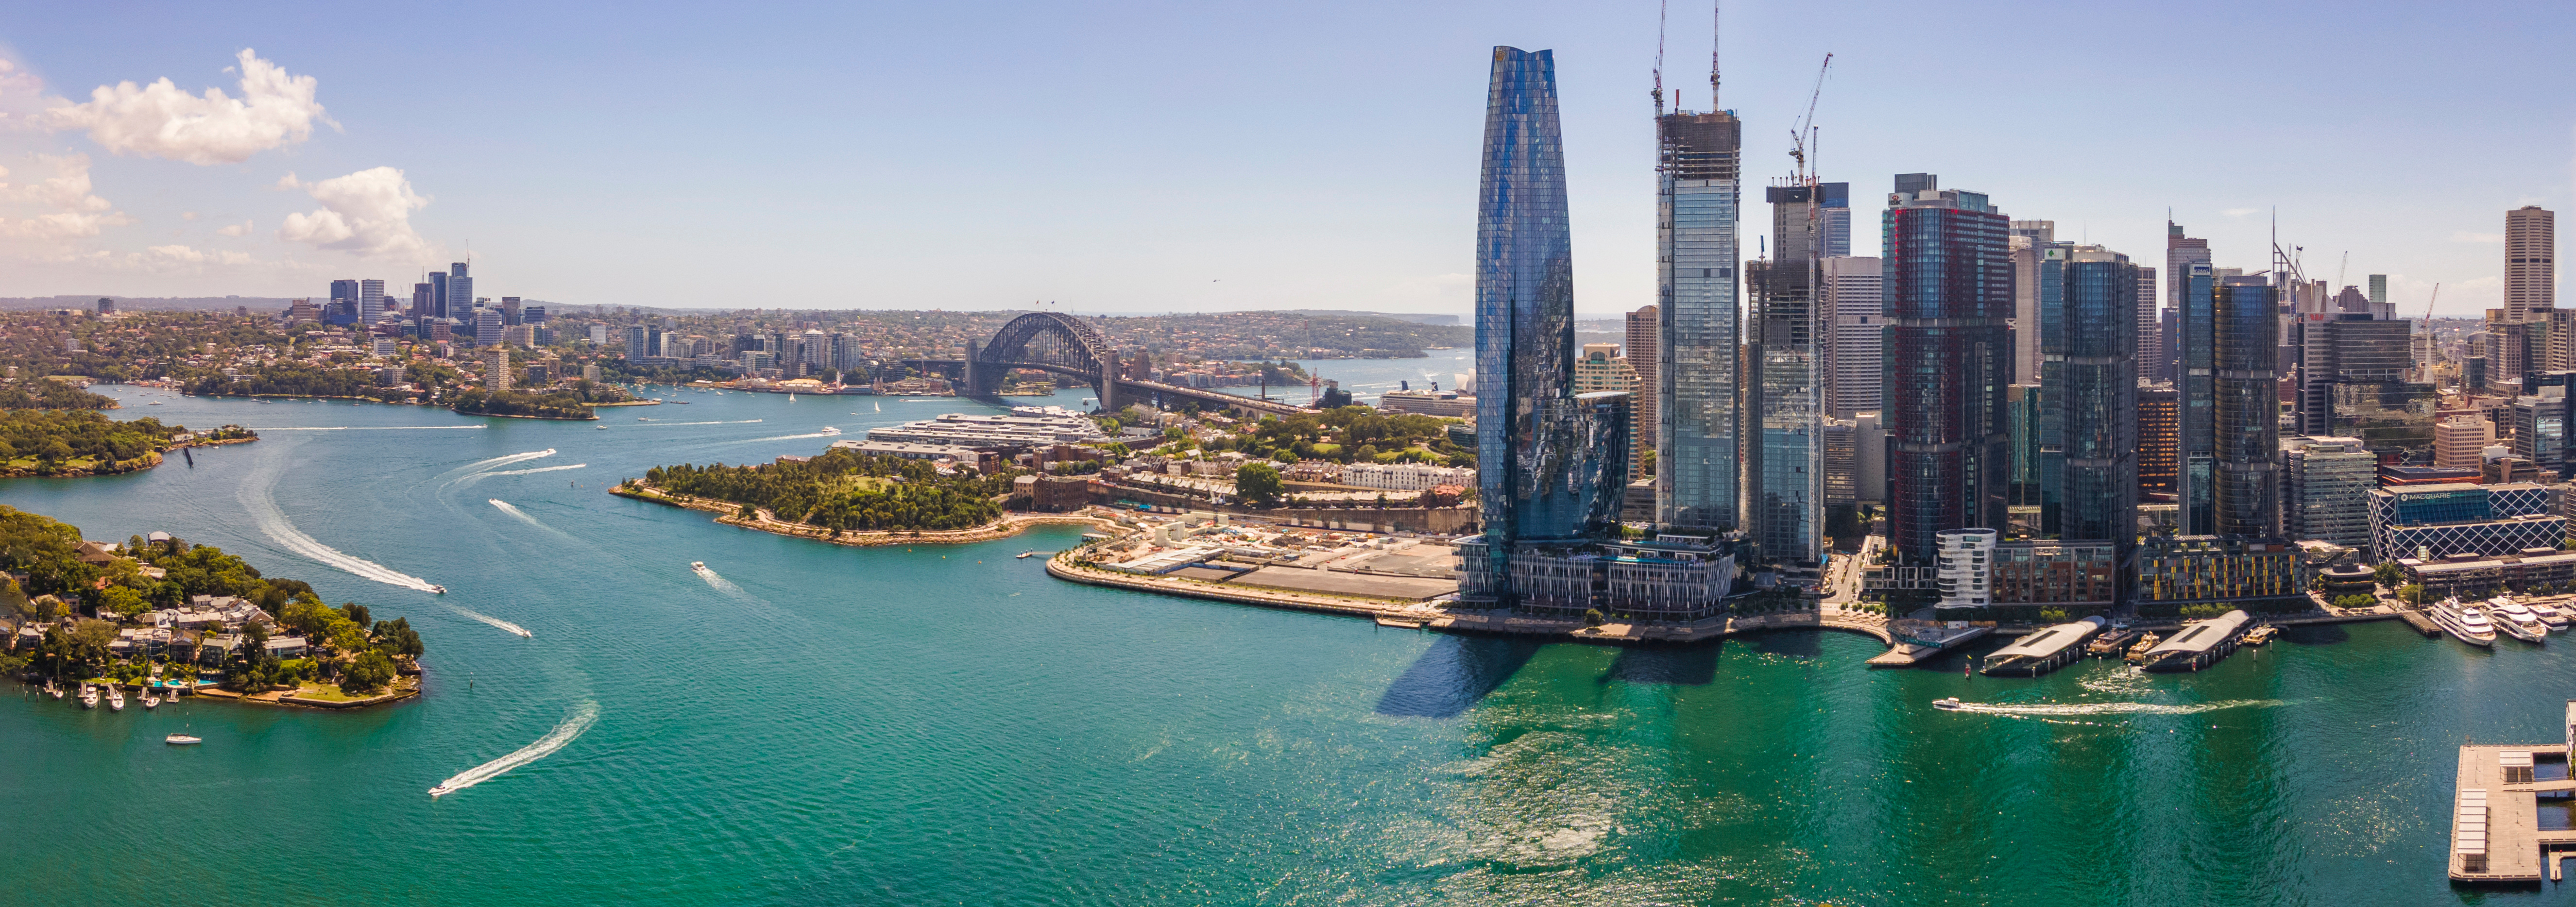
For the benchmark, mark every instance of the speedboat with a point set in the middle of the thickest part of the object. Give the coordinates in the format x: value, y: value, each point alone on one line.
x: 700, y: 567
x: 1948, y: 704
x: 2464, y: 623
x: 150, y: 701
x: 1024, y: 555
x: 603, y: 428
x: 828, y: 430
x: 441, y: 790
x: 116, y: 699
x: 181, y: 740
x: 434, y: 587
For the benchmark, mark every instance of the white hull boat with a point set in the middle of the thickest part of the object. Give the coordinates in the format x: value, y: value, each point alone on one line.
x: 2464, y: 623
x: 2516, y: 621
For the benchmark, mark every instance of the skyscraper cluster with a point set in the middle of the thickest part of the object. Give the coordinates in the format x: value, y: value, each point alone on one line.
x: 443, y: 307
x: 2055, y: 399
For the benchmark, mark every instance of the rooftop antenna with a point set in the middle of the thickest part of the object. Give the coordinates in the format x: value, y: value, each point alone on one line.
x: 1717, y: 38
x: 1661, y: 9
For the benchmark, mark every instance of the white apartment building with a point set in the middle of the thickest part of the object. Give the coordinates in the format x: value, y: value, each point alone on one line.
x: 1406, y: 476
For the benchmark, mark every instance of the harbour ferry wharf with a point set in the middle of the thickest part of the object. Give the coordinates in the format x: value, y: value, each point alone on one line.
x: 2496, y: 802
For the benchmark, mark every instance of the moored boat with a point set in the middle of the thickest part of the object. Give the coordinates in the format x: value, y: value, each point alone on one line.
x: 88, y: 697
x: 2553, y: 615
x: 2260, y: 635
x: 2515, y: 620
x: 2138, y: 652
x: 2464, y: 623
x: 115, y: 699
x: 181, y: 740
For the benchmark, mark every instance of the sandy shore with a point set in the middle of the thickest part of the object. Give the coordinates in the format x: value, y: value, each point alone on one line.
x: 1010, y: 524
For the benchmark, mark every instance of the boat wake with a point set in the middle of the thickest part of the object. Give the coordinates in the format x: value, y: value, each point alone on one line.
x: 2081, y: 709
x: 827, y: 432
x: 477, y: 477
x: 496, y: 461
x: 717, y: 422
x: 256, y: 495
x: 504, y: 625
x: 516, y: 512
x: 365, y: 427
x: 582, y: 717
x: 720, y: 583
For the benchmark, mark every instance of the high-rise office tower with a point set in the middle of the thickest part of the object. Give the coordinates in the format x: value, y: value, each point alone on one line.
x: 371, y: 301
x: 423, y: 303
x: 2379, y: 297
x: 2530, y: 262
x: 460, y: 293
x: 1948, y: 285
x: 2159, y: 439
x: 1854, y: 369
x: 2328, y: 483
x: 1701, y: 423
x: 2246, y: 392
x: 2088, y: 386
x: 1540, y: 460
x: 1783, y: 466
x: 1643, y: 325
x: 2193, y: 287
x: 2030, y: 239
x: 2150, y: 342
x: 1833, y: 220
x: 344, y: 290
x: 487, y: 326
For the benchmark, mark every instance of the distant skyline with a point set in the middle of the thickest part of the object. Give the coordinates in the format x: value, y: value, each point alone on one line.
x: 1150, y: 158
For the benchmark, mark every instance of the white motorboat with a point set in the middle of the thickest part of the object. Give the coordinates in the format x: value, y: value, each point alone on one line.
x: 181, y: 740
x: 150, y: 701
x: 2516, y: 620
x: 2464, y: 623
x: 115, y: 699
x: 700, y: 568
x: 57, y: 691
x: 434, y: 587
x: 2553, y: 615
x: 1948, y: 704
x: 89, y: 697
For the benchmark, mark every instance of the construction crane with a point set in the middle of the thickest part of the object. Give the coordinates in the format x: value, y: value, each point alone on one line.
x: 1661, y: 9
x: 1801, y: 137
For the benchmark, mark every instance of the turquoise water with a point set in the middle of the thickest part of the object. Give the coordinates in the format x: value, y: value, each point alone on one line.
x: 947, y: 725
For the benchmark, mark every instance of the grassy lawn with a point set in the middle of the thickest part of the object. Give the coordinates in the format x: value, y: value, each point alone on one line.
x: 864, y: 483
x: 326, y: 691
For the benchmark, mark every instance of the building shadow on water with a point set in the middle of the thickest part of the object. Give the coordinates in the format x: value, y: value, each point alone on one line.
x: 1453, y: 675
x: 1682, y: 665
x: 1790, y: 643
x: 2315, y: 634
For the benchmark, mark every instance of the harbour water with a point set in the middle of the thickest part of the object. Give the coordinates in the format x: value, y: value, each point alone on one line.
x: 816, y: 724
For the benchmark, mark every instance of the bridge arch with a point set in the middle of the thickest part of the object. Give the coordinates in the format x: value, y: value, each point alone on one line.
x: 1043, y: 340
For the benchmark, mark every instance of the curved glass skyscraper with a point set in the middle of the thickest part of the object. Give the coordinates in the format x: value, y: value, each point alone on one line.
x: 1539, y: 475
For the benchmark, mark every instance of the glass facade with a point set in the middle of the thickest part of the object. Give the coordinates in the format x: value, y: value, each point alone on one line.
x: 1700, y: 424
x: 1784, y: 463
x: 2246, y: 392
x: 2092, y: 392
x: 1948, y: 289
x: 2198, y: 289
x: 1543, y: 454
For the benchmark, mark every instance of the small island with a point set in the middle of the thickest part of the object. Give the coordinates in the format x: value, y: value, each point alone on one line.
x: 50, y: 428
x: 848, y: 498
x: 161, y: 617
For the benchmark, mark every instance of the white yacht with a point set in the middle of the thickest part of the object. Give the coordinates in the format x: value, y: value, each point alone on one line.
x: 89, y: 697
x: 2515, y: 620
x: 2553, y: 615
x: 116, y: 699
x: 2464, y: 623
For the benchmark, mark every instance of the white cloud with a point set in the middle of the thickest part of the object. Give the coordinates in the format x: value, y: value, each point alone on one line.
x: 184, y: 255
x: 159, y: 120
x: 367, y: 212
x: 2241, y: 212
x: 240, y: 229
x: 2466, y: 236
x: 188, y: 215
x: 64, y: 205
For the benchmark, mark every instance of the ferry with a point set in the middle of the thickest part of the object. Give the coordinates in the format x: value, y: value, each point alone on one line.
x: 2515, y: 620
x: 2464, y: 623
x: 1948, y: 704
x: 181, y: 740
x: 2260, y: 635
x: 2138, y: 653
x: 2198, y: 644
x: 2111, y: 643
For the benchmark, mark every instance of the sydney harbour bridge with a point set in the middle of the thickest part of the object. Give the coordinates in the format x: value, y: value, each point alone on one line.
x: 1064, y: 345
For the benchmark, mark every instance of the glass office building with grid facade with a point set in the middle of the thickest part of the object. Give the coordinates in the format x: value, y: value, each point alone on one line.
x: 1700, y: 424
x: 1948, y: 291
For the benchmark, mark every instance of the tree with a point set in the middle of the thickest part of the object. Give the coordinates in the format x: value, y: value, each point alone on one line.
x: 2389, y: 574
x: 369, y: 673
x: 123, y: 601
x: 2412, y: 592
x: 1258, y: 483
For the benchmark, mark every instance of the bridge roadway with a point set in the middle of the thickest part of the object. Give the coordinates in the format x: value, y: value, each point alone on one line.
x: 1131, y: 389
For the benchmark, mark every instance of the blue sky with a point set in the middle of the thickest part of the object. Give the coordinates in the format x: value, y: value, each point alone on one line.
x: 1204, y: 156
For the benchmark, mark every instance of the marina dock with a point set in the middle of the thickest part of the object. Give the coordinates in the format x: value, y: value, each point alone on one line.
x: 2044, y: 650
x: 1913, y: 643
